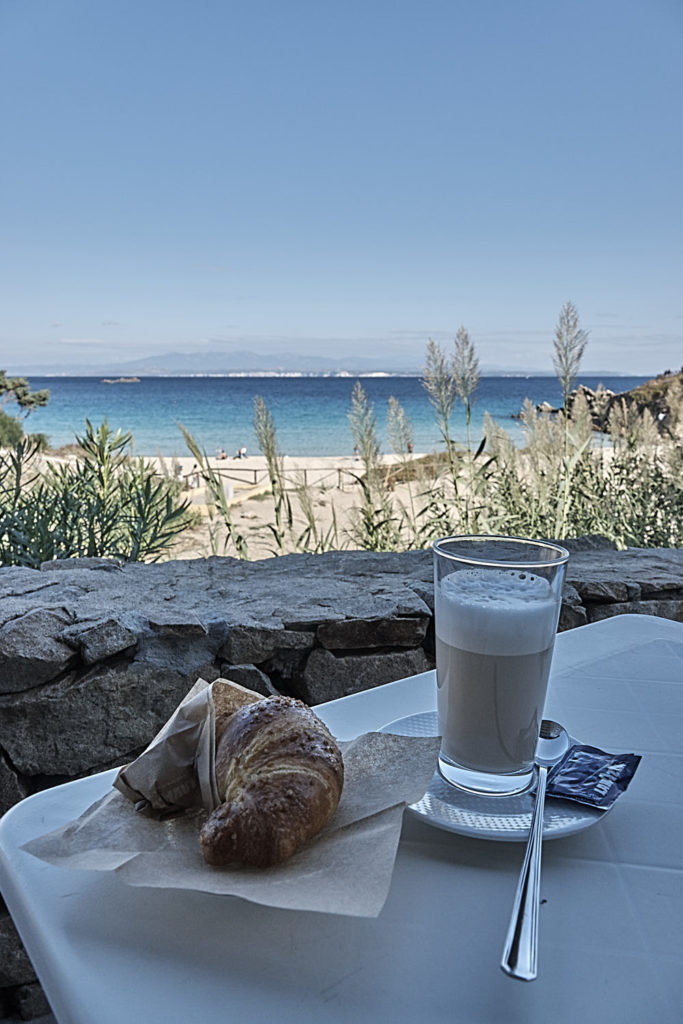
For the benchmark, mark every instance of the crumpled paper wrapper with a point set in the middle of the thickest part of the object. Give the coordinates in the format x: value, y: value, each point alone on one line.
x: 346, y: 869
x: 177, y: 770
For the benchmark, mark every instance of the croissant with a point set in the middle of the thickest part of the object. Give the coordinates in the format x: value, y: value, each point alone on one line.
x: 280, y: 775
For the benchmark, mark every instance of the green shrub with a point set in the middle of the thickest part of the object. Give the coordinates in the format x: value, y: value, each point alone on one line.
x: 103, y: 504
x: 11, y: 431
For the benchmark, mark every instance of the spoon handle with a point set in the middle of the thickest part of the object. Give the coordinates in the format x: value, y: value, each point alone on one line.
x: 520, y: 955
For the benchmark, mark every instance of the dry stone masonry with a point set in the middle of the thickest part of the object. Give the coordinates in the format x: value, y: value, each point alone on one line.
x: 95, y: 655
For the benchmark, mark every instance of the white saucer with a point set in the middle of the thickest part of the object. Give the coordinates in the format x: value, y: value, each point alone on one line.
x: 504, y: 818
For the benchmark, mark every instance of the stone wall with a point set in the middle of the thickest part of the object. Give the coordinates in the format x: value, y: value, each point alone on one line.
x: 95, y: 655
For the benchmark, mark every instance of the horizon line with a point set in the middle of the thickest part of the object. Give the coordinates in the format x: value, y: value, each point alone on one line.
x: 325, y: 375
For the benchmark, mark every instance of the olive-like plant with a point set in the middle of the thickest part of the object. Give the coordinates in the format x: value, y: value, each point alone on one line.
x: 104, y: 503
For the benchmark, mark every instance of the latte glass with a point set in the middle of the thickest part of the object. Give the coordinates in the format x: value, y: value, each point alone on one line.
x: 496, y: 607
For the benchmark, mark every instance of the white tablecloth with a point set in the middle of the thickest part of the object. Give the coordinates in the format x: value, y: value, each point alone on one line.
x: 611, y: 948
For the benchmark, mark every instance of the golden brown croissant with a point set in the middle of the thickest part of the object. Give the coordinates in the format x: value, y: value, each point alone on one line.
x: 280, y: 775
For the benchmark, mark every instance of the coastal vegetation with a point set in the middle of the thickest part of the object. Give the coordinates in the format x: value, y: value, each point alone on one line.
x: 566, y: 479
x: 601, y: 463
x: 99, y: 503
x: 17, y: 390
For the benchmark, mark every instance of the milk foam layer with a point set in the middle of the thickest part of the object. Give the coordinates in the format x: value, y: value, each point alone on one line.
x: 496, y: 611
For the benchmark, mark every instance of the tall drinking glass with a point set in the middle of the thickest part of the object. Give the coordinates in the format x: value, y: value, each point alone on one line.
x: 496, y: 607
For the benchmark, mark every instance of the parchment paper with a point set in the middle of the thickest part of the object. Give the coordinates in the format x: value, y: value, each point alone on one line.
x: 346, y: 869
x: 177, y: 770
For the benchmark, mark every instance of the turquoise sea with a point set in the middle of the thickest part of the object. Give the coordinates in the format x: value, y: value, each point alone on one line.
x: 310, y: 413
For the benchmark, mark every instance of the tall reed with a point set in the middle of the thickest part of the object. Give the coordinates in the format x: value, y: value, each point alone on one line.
x: 569, y: 346
x: 266, y: 434
x: 465, y: 375
x: 374, y: 524
x: 439, y: 384
x: 314, y: 539
x: 456, y: 499
x: 224, y: 536
x: 412, y: 525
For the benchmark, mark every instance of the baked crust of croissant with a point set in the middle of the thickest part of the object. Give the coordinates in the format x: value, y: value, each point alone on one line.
x: 280, y: 775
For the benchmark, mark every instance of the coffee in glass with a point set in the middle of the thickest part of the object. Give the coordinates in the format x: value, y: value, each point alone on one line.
x: 496, y: 608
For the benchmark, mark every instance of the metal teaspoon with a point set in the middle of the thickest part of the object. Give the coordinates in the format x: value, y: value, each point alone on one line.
x: 520, y: 954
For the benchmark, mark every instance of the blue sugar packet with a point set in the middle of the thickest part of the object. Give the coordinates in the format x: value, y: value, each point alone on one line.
x: 591, y: 776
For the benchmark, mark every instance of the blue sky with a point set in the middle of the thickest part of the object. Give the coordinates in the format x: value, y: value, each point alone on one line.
x: 341, y: 178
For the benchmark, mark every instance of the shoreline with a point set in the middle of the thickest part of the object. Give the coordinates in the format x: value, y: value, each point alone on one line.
x: 251, y: 471
x: 325, y: 489
x: 330, y: 485
x: 245, y: 466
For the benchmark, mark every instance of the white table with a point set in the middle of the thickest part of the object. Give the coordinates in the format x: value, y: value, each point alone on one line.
x: 611, y: 948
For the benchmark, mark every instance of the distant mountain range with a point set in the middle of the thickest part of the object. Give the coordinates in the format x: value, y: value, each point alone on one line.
x: 179, y: 364
x: 182, y: 364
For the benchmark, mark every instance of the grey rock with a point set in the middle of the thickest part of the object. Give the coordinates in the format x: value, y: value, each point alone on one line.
x: 639, y: 570
x: 319, y: 599
x: 570, y: 618
x: 64, y: 728
x: 69, y: 564
x: 11, y: 790
x: 256, y: 644
x: 17, y: 580
x: 170, y: 624
x: 100, y: 640
x: 251, y: 677
x: 175, y: 653
x: 606, y: 591
x: 425, y: 591
x: 356, y: 634
x: 348, y: 585
x: 589, y: 542
x: 31, y: 1003
x: 285, y: 669
x: 663, y: 609
x: 327, y: 677
x: 15, y: 606
x: 31, y: 651
x: 344, y: 564
x: 15, y: 966
x: 572, y: 611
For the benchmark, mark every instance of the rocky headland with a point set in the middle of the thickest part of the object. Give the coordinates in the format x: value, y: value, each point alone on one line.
x: 662, y: 397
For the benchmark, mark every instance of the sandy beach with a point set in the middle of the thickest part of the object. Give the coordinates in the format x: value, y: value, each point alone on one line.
x: 331, y: 481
